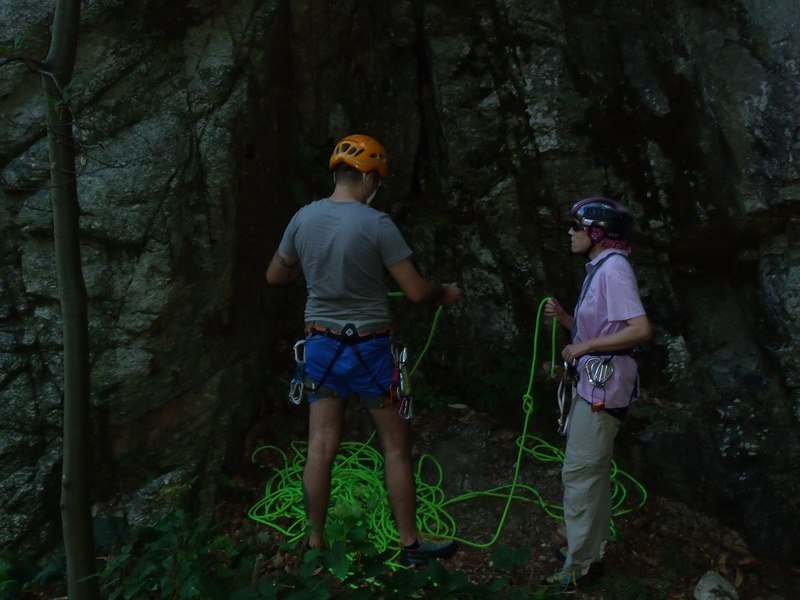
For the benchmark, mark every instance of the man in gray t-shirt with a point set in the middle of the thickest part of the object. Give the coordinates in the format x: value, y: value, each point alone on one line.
x: 328, y: 234
x: 344, y: 248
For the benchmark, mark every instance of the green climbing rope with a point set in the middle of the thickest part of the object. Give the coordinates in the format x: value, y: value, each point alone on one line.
x: 357, y: 486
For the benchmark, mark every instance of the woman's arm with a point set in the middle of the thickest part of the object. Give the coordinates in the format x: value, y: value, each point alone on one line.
x: 636, y: 330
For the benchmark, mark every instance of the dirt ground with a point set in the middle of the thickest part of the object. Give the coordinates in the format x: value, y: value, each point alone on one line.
x: 662, y: 549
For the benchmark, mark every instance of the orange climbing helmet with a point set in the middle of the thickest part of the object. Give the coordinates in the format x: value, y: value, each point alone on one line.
x: 360, y: 152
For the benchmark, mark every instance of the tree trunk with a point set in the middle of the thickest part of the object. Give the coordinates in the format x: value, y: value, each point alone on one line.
x: 75, y: 507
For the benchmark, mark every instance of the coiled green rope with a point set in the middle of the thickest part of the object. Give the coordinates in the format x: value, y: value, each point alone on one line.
x: 357, y: 487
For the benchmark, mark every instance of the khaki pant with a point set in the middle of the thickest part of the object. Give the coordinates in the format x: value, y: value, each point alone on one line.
x: 586, y: 476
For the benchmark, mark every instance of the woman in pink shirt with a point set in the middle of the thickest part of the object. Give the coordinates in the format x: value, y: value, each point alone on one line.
x: 609, y: 322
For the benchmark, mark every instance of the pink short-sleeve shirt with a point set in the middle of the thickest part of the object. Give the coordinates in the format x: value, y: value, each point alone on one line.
x: 611, y: 299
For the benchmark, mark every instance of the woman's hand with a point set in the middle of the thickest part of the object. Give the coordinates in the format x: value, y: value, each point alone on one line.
x: 636, y: 331
x: 574, y: 351
x: 554, y: 310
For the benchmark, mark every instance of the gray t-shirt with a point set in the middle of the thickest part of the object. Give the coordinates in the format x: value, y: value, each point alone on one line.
x: 344, y: 249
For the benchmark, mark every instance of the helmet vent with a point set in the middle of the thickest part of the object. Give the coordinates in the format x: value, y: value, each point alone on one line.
x: 350, y: 149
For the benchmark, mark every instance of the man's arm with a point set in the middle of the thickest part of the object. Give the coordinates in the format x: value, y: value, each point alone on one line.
x: 282, y: 269
x: 420, y: 290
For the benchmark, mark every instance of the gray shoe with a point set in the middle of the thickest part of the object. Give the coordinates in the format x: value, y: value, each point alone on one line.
x: 425, y: 550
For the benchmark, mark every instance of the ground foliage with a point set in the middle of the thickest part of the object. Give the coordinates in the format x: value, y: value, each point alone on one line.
x: 662, y: 548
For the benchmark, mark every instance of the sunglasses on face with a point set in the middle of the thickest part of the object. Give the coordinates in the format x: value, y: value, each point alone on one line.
x: 577, y: 226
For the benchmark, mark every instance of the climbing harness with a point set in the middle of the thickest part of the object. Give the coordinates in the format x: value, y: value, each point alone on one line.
x: 566, y: 390
x: 598, y: 371
x: 349, y: 336
x: 400, y: 389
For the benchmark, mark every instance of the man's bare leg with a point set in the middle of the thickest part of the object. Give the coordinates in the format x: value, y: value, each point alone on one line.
x: 325, y: 418
x: 394, y: 434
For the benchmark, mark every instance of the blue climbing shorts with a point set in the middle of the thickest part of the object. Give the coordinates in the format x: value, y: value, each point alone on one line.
x: 368, y: 376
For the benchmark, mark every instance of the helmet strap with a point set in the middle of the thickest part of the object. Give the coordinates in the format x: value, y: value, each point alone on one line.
x: 364, y: 187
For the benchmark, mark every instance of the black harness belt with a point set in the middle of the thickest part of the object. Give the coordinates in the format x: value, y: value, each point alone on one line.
x: 349, y: 334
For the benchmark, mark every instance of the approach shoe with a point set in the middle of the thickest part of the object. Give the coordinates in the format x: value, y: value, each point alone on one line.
x: 567, y: 579
x: 419, y: 553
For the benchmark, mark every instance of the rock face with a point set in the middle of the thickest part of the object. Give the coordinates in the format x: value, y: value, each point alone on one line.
x: 203, y: 128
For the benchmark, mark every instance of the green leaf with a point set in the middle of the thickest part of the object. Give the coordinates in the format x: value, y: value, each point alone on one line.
x: 498, y: 585
x: 247, y: 593
x: 338, y: 562
x: 507, y: 557
x: 109, y: 531
x: 438, y: 574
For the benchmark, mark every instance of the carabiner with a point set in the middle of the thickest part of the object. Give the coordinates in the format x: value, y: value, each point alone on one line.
x: 300, y: 348
x: 296, y: 392
x: 599, y: 370
x: 406, y: 410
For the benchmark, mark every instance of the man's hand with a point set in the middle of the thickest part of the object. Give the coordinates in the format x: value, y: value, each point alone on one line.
x: 418, y: 289
x: 451, y: 294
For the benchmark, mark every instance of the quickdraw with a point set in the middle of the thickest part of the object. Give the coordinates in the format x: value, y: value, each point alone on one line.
x: 400, y: 390
x: 566, y: 390
x: 297, y: 389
